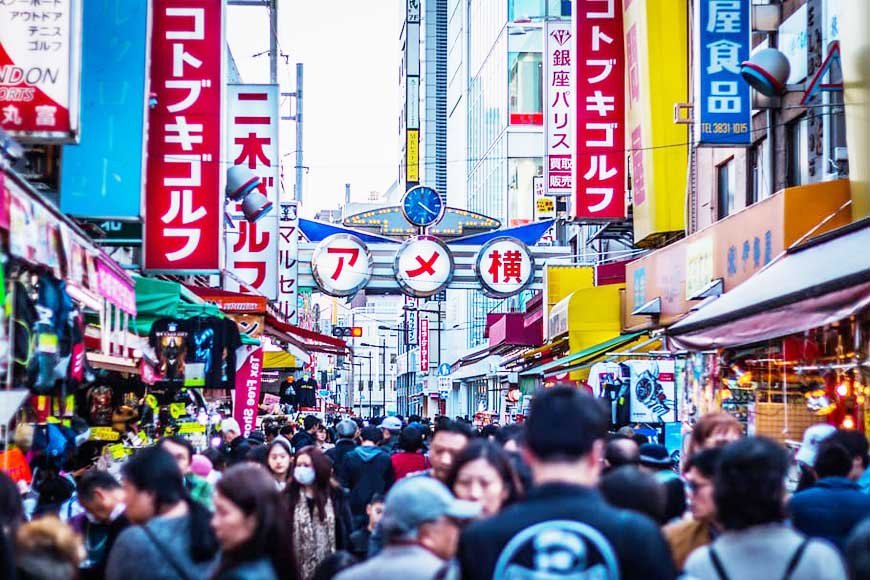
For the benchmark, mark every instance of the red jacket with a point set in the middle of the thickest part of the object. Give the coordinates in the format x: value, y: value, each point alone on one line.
x: 405, y: 463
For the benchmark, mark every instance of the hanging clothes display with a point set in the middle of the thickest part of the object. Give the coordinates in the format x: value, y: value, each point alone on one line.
x: 306, y: 395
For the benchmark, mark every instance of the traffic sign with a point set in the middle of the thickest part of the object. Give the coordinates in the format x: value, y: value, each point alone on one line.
x: 443, y: 370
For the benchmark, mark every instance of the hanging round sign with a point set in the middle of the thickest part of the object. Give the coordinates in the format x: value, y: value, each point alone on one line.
x: 341, y: 265
x: 504, y: 266
x: 423, y: 266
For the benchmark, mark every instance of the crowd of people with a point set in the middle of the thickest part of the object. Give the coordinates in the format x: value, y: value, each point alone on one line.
x: 556, y: 497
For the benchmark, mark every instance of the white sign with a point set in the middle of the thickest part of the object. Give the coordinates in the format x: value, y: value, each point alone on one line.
x: 653, y: 393
x: 288, y: 260
x: 252, y: 247
x: 413, y: 107
x: 341, y: 265
x: 559, y: 114
x: 545, y: 205
x: 557, y: 319
x: 793, y: 44
x: 504, y: 266
x: 423, y: 266
x: 411, y: 320
x: 424, y: 345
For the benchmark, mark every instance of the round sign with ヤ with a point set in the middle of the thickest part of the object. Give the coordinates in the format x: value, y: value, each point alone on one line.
x: 504, y: 266
x: 341, y: 265
x: 423, y: 266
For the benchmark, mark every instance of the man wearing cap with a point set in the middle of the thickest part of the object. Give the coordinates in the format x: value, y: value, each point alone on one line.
x: 236, y: 447
x: 390, y: 427
x: 420, y: 527
x: 347, y: 432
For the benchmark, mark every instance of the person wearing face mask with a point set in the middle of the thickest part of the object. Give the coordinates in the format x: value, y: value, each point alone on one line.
x: 482, y: 473
x: 278, y: 460
x: 320, y: 519
x: 102, y: 497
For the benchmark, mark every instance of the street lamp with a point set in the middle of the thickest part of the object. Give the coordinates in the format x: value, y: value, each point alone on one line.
x: 369, y: 357
x: 383, y: 349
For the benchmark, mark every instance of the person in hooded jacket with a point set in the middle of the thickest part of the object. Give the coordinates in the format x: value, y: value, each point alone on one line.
x: 346, y: 431
x: 369, y: 471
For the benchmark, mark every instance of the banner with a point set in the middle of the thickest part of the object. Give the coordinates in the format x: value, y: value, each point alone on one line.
x: 653, y: 391
x: 288, y: 261
x: 559, y: 117
x: 599, y: 78
x: 246, y: 398
x: 103, y: 176
x: 184, y: 196
x: 40, y: 52
x: 252, y: 127
x: 424, y: 346
x: 722, y: 41
x: 412, y: 327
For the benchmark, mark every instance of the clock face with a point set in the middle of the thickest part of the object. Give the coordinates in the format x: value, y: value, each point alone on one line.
x: 422, y: 206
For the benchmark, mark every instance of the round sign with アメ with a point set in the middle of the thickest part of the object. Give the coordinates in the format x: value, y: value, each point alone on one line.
x: 423, y: 266
x: 505, y: 266
x: 341, y: 265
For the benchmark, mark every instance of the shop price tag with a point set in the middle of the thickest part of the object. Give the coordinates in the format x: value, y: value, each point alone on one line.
x: 46, y: 343
x: 104, y: 434
x: 117, y: 450
x: 190, y: 428
x: 151, y: 401
x: 177, y: 410
x: 143, y: 438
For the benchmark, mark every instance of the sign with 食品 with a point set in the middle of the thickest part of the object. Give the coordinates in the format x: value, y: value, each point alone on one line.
x: 723, y: 109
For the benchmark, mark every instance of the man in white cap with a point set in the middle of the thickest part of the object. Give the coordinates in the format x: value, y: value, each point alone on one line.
x: 420, y: 526
x: 806, y: 455
x: 391, y: 427
x: 235, y: 447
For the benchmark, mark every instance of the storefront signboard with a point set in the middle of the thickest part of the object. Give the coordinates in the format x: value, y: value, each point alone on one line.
x: 115, y: 289
x: 559, y: 111
x: 249, y: 361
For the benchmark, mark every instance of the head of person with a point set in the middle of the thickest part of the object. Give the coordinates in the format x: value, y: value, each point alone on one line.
x: 371, y: 436
x: 422, y: 510
x: 321, y: 434
x: 410, y: 440
x: 511, y: 437
x: 47, y: 549
x: 249, y: 519
x: 153, y: 485
x: 655, y: 457
x: 631, y: 488
x: 391, y: 427
x: 286, y: 431
x: 271, y: 431
x: 833, y: 459
x: 310, y: 423
x: 749, y: 486
x: 333, y: 564
x: 489, y: 432
x: 813, y: 437
x: 564, y: 436
x: 700, y: 471
x: 279, y: 459
x: 346, y: 429
x: 856, y: 444
x: 619, y: 451
x: 180, y: 449
x: 218, y: 460
x: 101, y: 495
x: 230, y: 429
x: 450, y: 438
x: 375, y: 510
x: 312, y: 470
x: 257, y: 438
x: 482, y: 473
x: 714, y: 430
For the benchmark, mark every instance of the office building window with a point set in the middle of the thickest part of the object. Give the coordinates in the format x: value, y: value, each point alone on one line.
x: 526, y: 88
x: 797, y: 161
x: 525, y: 9
x: 725, y: 189
x: 756, y: 186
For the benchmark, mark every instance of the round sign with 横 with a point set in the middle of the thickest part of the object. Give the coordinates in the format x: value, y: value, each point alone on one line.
x: 341, y: 265
x: 423, y: 266
x: 504, y: 266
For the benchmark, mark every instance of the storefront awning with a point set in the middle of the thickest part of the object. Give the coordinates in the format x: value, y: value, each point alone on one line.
x: 279, y: 359
x: 306, y: 340
x: 820, y: 282
x: 578, y: 357
x: 482, y: 368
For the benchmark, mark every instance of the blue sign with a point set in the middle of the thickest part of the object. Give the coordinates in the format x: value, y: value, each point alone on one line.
x: 723, y: 106
x: 443, y: 370
x: 102, y: 176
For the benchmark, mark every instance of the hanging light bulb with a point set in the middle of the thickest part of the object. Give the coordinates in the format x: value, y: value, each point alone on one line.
x: 848, y: 422
x: 842, y: 389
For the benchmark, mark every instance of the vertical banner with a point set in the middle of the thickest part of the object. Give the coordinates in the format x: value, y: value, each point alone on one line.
x: 184, y: 182
x: 252, y: 129
x: 412, y: 93
x: 559, y: 117
x: 599, y: 79
x: 424, y: 345
x: 40, y: 55
x: 288, y: 260
x: 246, y: 398
x: 722, y: 41
x: 412, y: 326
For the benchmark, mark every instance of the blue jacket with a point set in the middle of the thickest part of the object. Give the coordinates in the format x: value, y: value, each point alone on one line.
x: 830, y: 509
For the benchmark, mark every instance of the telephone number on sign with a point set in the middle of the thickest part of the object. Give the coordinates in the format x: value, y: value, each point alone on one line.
x: 725, y: 128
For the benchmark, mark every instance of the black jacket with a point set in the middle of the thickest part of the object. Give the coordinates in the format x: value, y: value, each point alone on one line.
x: 623, y: 542
x: 104, y: 536
x: 302, y: 439
x: 338, y: 454
x: 237, y: 450
x: 369, y: 471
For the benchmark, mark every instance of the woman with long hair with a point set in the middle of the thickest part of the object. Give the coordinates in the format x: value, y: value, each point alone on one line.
x: 251, y: 527
x: 320, y: 519
x: 171, y: 537
x: 483, y: 473
x: 279, y: 459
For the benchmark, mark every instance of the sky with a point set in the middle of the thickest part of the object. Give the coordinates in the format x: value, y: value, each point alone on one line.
x: 350, y: 50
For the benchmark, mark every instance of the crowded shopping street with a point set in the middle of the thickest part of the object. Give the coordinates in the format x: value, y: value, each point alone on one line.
x: 434, y: 290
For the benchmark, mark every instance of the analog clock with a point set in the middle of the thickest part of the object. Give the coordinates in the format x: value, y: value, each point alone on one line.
x: 422, y: 206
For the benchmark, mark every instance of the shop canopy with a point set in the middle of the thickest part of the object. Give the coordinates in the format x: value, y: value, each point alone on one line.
x: 818, y: 283
x: 304, y: 339
x: 575, y: 358
x: 157, y: 299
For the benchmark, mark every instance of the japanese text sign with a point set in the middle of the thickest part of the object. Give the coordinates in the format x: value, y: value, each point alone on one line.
x: 288, y: 260
x: 411, y: 320
x: 252, y: 126
x: 246, y: 397
x: 599, y: 166
x: 559, y: 119
x: 341, y: 265
x: 40, y: 46
x: 424, y: 345
x: 184, y: 182
x: 423, y: 266
x: 115, y: 289
x: 505, y: 266
x: 723, y: 107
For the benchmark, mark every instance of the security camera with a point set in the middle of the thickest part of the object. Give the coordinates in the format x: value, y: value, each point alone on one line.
x: 766, y: 71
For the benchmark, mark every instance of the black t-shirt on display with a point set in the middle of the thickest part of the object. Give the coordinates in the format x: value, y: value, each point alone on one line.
x: 168, y: 338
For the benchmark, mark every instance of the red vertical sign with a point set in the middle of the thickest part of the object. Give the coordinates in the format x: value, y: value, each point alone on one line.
x: 424, y: 345
x: 599, y: 168
x: 183, y: 189
x: 246, y: 398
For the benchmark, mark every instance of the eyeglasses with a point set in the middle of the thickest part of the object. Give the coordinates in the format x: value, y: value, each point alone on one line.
x: 695, y: 486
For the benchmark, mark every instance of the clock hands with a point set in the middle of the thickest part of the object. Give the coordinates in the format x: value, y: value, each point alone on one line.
x: 420, y: 203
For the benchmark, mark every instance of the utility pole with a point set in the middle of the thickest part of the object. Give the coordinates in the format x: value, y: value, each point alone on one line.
x: 297, y: 95
x: 273, y: 42
x: 384, y: 372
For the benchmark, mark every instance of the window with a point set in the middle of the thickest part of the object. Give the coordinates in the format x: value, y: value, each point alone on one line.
x: 797, y: 161
x: 526, y: 88
x: 525, y: 9
x: 725, y: 188
x: 837, y: 132
x: 521, y: 172
x: 756, y: 188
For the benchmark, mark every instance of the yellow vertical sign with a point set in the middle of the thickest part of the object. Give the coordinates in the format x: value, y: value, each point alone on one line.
x: 412, y: 156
